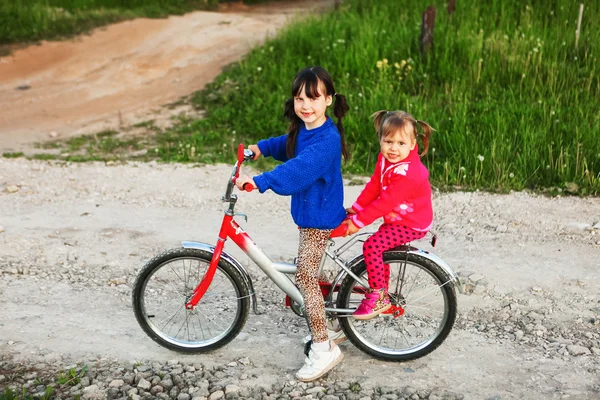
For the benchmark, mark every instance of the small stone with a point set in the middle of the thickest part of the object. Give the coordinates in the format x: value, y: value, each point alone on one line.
x: 219, y: 394
x: 53, y: 134
x: 117, y: 383
x: 144, y: 384
x: 231, y: 389
x: 576, y: 350
x: 11, y: 189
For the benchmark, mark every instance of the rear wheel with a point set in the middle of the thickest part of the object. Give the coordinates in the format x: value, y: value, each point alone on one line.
x: 422, y: 314
x: 167, y: 282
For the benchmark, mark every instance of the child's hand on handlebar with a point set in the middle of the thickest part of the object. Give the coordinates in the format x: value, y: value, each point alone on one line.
x: 350, y: 211
x: 245, y: 180
x: 254, y: 148
x: 352, y: 229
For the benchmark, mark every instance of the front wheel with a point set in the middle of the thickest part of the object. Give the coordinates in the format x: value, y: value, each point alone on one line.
x: 422, y: 314
x: 166, y: 284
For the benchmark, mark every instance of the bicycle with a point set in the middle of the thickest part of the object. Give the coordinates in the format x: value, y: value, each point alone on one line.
x: 196, y: 298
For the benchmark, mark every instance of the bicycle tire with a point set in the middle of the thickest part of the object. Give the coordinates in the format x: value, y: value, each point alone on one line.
x: 165, y: 284
x: 382, y: 336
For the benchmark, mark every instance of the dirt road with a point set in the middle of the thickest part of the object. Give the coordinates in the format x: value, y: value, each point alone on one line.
x: 74, y: 236
x: 122, y: 74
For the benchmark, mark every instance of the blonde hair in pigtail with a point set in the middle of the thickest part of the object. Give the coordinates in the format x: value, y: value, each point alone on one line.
x: 378, y: 118
x: 427, y: 129
x: 388, y: 122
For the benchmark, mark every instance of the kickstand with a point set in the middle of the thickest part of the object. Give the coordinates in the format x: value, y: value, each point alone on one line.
x: 307, y: 347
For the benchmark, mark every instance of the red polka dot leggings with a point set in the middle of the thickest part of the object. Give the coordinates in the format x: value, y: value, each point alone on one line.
x: 387, y: 237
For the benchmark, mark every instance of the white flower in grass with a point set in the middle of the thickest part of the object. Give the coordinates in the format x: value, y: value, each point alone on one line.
x: 462, y: 168
x: 359, y: 94
x: 259, y: 69
x: 480, y: 158
x: 511, y: 175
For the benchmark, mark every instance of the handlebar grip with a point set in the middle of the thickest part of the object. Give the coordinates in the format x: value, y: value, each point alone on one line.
x: 339, y: 231
x: 247, y: 187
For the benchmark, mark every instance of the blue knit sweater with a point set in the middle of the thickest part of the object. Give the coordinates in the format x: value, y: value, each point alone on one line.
x: 313, y: 177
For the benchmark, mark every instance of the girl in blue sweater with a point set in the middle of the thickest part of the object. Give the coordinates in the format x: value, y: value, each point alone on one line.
x: 311, y: 152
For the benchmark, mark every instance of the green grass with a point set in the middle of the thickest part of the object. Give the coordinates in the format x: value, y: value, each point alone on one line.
x: 31, y: 20
x: 57, y: 386
x: 514, y: 102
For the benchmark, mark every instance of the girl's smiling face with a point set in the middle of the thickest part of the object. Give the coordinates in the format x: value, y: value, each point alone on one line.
x: 398, y: 145
x: 312, y: 110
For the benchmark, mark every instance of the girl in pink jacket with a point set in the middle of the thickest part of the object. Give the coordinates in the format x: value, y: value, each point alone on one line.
x: 399, y: 191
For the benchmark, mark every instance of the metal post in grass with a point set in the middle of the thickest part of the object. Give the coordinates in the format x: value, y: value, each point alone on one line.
x: 428, y: 23
x: 451, y: 6
x: 578, y: 25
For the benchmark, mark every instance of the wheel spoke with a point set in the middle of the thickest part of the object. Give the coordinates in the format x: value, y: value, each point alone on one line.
x: 164, y: 286
x: 426, y: 302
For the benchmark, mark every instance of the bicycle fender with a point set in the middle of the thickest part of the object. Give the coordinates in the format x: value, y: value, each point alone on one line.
x: 414, y: 251
x: 436, y: 260
x: 231, y: 260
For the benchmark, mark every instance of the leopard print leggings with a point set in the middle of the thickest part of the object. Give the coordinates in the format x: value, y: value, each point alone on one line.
x: 310, y: 250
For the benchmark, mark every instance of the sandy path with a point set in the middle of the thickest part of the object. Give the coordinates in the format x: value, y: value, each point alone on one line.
x: 118, y: 74
x: 75, y: 236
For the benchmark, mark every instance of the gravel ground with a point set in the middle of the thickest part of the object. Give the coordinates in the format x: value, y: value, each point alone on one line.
x: 74, y: 236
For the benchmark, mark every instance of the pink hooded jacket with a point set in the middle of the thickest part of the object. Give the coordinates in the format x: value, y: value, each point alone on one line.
x: 400, y: 193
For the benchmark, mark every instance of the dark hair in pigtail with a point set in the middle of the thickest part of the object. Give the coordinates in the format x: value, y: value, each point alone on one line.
x: 310, y: 79
x: 388, y: 122
x: 293, y: 128
x: 340, y: 109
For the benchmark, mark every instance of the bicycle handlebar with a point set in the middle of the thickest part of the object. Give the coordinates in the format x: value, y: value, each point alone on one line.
x: 242, y: 155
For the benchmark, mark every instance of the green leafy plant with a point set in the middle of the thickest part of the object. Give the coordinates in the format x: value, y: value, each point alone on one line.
x: 71, y: 377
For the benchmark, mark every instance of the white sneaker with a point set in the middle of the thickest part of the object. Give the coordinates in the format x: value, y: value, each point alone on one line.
x: 336, y: 336
x: 318, y: 363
